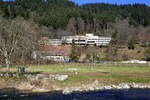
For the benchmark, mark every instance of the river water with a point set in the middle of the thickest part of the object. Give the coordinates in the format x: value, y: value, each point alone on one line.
x: 131, y: 94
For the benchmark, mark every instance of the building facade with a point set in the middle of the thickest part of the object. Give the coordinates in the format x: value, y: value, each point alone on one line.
x: 88, y: 39
x: 55, y: 53
x: 50, y: 42
x: 59, y: 49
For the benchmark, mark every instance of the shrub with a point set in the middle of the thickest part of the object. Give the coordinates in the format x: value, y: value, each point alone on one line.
x: 131, y: 45
x: 147, y: 54
x: 73, y: 54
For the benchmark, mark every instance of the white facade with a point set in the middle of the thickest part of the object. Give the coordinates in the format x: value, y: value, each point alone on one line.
x: 51, y: 42
x: 54, y: 58
x: 54, y: 42
x: 88, y: 39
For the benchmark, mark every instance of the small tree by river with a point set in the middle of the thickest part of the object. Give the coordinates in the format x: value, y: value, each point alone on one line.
x: 147, y: 54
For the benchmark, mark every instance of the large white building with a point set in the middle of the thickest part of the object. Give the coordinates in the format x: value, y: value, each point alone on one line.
x: 88, y: 39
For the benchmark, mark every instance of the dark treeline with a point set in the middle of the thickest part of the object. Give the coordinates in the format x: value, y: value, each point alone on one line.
x: 63, y: 17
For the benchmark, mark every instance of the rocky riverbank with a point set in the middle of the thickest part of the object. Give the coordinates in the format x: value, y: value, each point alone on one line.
x: 38, y: 86
x: 46, y: 83
x: 96, y: 86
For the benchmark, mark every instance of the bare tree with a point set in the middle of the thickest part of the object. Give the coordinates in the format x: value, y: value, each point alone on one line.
x: 71, y: 27
x: 17, y: 38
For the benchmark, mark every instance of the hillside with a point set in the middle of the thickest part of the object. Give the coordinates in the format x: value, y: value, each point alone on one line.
x: 63, y: 17
x: 23, y: 22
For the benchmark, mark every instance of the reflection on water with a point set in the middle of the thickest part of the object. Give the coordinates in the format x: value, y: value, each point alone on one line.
x: 131, y: 94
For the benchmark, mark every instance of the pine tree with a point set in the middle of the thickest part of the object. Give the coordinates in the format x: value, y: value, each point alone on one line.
x: 73, y: 54
x: 147, y: 54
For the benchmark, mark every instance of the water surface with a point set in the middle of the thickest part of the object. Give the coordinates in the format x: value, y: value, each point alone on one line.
x: 131, y: 94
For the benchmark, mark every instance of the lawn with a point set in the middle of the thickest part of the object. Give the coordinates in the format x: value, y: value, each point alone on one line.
x: 84, y: 68
x: 86, y: 73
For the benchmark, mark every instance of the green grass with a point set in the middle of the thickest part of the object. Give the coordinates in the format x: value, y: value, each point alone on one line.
x: 106, y: 73
x: 112, y: 73
x: 57, y: 68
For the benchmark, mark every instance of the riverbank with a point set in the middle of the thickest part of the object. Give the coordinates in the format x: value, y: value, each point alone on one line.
x: 77, y: 77
x: 43, y: 87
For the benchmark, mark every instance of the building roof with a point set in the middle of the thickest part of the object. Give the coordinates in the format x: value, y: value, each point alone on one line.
x: 56, y: 50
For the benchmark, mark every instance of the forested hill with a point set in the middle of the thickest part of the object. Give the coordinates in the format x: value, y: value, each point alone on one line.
x: 102, y: 19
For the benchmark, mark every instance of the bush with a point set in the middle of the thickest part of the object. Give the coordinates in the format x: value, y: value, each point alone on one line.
x: 147, y: 54
x: 73, y: 54
x: 131, y: 45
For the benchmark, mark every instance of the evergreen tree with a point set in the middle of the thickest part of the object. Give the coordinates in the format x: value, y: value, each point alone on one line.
x: 147, y: 54
x: 131, y: 45
x: 73, y: 54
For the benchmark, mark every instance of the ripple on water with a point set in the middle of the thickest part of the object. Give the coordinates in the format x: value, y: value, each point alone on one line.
x: 3, y: 96
x: 128, y: 94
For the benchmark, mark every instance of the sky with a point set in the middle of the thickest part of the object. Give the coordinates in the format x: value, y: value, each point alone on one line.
x: 120, y: 2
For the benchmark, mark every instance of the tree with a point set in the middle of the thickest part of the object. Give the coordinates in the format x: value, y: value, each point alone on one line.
x: 18, y: 38
x: 73, y: 54
x: 131, y: 45
x: 64, y: 16
x: 147, y: 54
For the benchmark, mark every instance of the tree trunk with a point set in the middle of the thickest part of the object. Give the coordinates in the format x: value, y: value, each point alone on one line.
x: 7, y: 62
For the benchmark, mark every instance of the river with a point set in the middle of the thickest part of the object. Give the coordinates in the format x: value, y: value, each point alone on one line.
x: 130, y: 94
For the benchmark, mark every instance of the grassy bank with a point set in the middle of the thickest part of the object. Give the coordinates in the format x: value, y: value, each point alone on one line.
x: 86, y: 73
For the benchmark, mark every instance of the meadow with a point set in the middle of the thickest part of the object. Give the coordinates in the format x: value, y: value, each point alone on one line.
x: 82, y: 73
